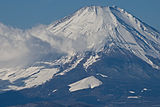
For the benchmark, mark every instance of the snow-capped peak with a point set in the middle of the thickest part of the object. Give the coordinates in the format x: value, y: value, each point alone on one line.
x: 97, y: 27
x: 62, y: 46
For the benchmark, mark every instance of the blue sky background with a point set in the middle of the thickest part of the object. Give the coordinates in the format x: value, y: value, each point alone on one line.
x: 28, y: 13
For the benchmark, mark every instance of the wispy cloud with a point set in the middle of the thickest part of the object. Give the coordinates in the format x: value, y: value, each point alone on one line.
x: 18, y: 47
x: 23, y: 47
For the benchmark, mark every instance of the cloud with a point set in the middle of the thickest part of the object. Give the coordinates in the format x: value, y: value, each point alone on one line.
x: 24, y: 47
x: 18, y: 47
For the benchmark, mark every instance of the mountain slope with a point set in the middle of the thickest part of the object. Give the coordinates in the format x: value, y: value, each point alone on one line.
x: 99, y: 26
x: 96, y: 29
x: 92, y: 51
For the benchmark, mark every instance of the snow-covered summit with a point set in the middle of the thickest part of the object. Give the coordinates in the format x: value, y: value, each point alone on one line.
x: 98, y: 26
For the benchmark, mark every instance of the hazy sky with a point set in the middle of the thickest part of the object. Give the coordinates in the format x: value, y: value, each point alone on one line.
x: 28, y: 13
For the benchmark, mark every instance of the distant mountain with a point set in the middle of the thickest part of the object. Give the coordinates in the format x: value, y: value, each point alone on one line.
x: 95, y: 57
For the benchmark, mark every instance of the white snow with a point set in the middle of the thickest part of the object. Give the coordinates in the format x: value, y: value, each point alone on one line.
x: 90, y: 61
x: 72, y: 66
x: 144, y: 89
x: 102, y: 75
x: 89, y: 82
x: 93, y: 25
x: 55, y: 90
x: 133, y: 97
x: 30, y: 77
x: 132, y: 92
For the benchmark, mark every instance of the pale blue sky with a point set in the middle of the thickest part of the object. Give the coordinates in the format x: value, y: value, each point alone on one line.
x: 28, y: 13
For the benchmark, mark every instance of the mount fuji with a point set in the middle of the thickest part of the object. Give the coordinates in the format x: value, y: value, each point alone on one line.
x: 98, y: 56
